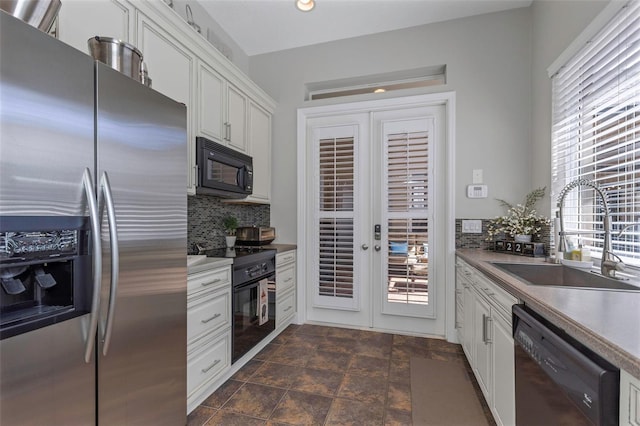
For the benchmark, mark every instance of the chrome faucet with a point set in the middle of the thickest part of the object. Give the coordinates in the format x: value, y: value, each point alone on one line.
x: 608, y: 264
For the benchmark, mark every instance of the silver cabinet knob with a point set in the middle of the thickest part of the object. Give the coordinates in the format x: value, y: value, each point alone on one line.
x: 365, y: 247
x: 376, y: 247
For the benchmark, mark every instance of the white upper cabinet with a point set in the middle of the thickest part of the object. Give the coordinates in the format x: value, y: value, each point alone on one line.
x: 79, y: 20
x: 260, y: 149
x: 171, y: 68
x: 170, y: 63
x: 236, y: 119
x: 184, y: 66
x: 211, y: 123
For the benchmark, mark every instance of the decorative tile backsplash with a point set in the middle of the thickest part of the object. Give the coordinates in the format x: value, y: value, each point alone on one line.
x: 205, y: 214
x: 467, y: 240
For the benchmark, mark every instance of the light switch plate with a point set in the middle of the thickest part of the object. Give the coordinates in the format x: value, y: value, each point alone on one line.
x: 471, y: 226
x: 477, y: 176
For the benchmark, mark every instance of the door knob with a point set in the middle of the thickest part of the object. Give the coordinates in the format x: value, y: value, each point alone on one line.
x: 365, y: 247
x: 376, y: 247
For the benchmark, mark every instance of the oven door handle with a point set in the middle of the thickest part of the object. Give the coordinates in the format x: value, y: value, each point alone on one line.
x: 254, y: 283
x: 105, y: 189
x: 87, y: 183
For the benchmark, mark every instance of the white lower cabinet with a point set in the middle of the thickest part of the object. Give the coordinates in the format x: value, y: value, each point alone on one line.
x: 207, y: 362
x: 285, y: 287
x: 485, y: 333
x: 482, y: 345
x: 629, y: 400
x: 503, y: 390
x: 208, y: 332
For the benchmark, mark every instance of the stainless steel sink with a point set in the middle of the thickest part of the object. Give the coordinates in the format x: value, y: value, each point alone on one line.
x: 562, y: 276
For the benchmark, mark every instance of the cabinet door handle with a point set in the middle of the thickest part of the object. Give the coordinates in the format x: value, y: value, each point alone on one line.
x: 488, y: 292
x: 217, y: 280
x: 216, y: 362
x: 204, y: 321
x: 484, y: 328
x: 288, y: 280
x: 229, y: 132
x: 288, y: 308
x: 489, y: 327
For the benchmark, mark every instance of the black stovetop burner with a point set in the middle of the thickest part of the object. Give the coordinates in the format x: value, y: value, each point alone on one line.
x: 238, y: 251
x: 244, y: 256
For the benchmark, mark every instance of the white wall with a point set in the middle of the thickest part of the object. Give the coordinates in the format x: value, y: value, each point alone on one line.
x: 219, y: 38
x: 555, y: 25
x: 488, y: 61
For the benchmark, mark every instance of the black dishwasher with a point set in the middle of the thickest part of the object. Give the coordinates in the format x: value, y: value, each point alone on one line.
x: 558, y: 380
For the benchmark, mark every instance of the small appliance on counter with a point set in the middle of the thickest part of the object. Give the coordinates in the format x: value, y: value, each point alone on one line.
x: 255, y: 235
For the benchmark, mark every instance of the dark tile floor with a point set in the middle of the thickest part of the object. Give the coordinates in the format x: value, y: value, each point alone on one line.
x: 314, y: 375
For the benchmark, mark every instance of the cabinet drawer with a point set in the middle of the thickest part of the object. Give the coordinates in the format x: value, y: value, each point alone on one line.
x: 285, y: 278
x: 285, y: 258
x: 206, y: 363
x: 208, y: 313
x: 285, y: 307
x: 208, y: 280
x: 500, y: 298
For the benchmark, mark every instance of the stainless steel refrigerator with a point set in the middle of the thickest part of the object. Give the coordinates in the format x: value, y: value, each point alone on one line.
x: 93, y: 226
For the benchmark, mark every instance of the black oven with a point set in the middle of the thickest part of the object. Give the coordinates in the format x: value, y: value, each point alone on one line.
x: 254, y: 314
x: 45, y: 271
x: 253, y: 302
x: 223, y: 171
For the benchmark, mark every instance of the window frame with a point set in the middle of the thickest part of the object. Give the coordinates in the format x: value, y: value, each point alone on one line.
x: 589, y: 140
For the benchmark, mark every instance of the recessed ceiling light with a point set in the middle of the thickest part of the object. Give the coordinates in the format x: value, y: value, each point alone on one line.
x: 305, y: 5
x: 379, y: 90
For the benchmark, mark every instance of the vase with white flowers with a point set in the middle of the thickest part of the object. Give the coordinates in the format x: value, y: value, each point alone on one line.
x: 521, y: 221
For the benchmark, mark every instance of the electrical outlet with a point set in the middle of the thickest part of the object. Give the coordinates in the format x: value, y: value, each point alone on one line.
x: 471, y: 226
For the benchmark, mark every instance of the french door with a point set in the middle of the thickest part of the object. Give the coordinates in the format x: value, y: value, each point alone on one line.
x: 372, y: 205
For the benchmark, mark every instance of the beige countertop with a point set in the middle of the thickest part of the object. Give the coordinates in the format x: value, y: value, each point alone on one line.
x: 281, y: 248
x: 607, y: 321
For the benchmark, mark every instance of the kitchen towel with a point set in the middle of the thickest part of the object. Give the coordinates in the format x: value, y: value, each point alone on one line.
x: 442, y: 394
x: 263, y: 299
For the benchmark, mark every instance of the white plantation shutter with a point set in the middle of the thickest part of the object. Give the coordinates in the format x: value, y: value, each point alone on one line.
x: 407, y: 189
x: 336, y: 217
x: 408, y: 181
x: 596, y: 134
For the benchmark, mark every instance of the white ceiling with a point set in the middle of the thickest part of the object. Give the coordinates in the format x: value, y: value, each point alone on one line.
x: 262, y: 26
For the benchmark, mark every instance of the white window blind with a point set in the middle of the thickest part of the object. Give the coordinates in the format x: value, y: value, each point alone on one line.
x: 336, y: 225
x: 596, y: 135
x: 407, y: 166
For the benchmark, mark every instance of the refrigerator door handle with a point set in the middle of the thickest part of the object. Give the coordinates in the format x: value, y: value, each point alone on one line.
x: 87, y: 182
x: 105, y: 189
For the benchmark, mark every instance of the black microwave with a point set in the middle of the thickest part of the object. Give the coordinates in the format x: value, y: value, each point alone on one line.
x: 223, y: 171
